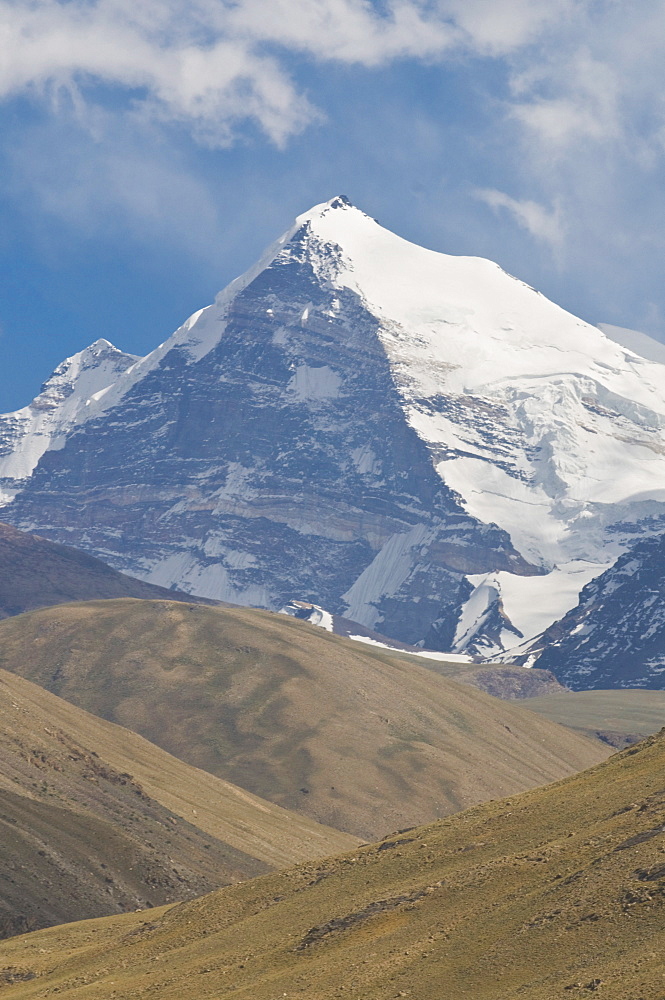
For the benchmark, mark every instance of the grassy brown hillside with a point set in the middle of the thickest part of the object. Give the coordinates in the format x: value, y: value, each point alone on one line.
x: 36, y: 573
x: 619, y: 717
x: 556, y: 893
x: 309, y: 720
x: 94, y: 819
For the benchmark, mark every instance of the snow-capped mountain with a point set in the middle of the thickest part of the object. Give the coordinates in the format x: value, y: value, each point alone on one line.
x: 615, y: 637
x: 419, y: 442
x: 62, y: 402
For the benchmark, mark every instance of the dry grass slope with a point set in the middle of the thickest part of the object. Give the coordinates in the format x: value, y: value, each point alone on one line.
x: 556, y: 893
x: 315, y: 723
x: 94, y: 819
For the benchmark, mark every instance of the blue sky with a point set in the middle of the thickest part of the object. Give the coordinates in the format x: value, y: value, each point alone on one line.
x: 149, y: 151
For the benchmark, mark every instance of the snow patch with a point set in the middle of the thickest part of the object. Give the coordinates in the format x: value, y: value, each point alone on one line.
x: 189, y: 574
x: 365, y: 461
x: 384, y: 576
x: 425, y: 654
x: 311, y: 384
x: 311, y: 613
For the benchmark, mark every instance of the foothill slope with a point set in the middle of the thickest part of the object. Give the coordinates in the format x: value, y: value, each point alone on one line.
x: 95, y: 819
x: 557, y: 892
x: 313, y: 722
x: 37, y: 573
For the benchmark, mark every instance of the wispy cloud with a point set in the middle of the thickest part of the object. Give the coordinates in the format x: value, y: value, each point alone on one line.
x: 542, y: 223
x: 598, y: 76
x: 350, y: 31
x: 502, y: 26
x: 173, y: 60
x: 579, y: 98
x: 577, y: 69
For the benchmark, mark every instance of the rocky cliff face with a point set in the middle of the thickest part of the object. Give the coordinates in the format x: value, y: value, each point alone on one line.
x: 615, y: 637
x: 418, y: 442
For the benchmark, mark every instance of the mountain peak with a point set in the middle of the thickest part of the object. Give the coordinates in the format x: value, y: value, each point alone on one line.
x: 102, y: 344
x: 27, y: 433
x: 336, y: 207
x: 441, y: 451
x: 341, y: 201
x: 100, y: 357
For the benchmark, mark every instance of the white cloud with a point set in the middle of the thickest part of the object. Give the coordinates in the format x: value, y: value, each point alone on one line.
x: 576, y: 67
x: 350, y: 31
x: 583, y: 101
x: 597, y: 76
x: 565, y: 102
x: 170, y: 58
x: 542, y: 223
x: 501, y: 26
x: 582, y: 132
x: 212, y: 64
